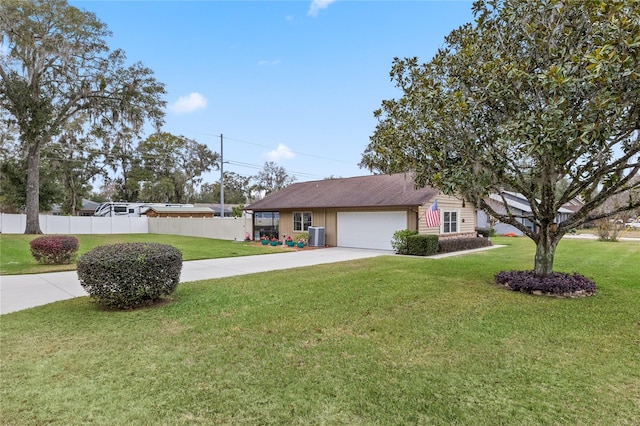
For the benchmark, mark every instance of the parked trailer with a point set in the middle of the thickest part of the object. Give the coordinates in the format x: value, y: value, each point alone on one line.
x: 112, y: 208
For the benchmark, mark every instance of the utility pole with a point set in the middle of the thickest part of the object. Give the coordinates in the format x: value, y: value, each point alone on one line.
x: 221, y: 177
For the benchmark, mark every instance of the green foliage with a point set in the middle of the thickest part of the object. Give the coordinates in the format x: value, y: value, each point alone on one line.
x: 13, y: 184
x: 123, y: 276
x: 399, y: 241
x: 458, y: 244
x: 62, y: 73
x: 236, y: 211
x: 172, y: 166
x: 54, y: 249
x: 273, y: 178
x: 537, y: 96
x: 236, y: 190
x: 301, y: 237
x: 422, y: 245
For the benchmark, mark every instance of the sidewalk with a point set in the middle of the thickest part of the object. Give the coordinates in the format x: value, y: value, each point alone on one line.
x: 595, y: 237
x: 19, y: 292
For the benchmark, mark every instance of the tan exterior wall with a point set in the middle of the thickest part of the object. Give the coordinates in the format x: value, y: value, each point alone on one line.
x: 466, y: 217
x: 328, y: 218
x: 412, y: 219
x: 331, y: 227
x: 319, y: 217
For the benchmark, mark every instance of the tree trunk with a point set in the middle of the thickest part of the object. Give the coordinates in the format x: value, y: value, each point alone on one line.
x: 33, y: 190
x: 545, y: 251
x: 73, y: 209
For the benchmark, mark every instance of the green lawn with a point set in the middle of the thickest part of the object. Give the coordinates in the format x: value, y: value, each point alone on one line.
x: 390, y: 340
x: 16, y: 258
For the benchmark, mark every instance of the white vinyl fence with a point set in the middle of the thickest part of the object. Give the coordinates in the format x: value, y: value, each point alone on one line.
x: 224, y: 229
x: 49, y: 224
x: 228, y: 228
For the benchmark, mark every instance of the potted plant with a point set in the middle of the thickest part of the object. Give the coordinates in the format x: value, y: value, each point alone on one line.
x: 302, y: 239
x: 289, y: 241
x: 274, y: 241
x: 264, y: 240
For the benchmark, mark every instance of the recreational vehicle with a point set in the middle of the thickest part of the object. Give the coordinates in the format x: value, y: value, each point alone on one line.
x: 130, y: 209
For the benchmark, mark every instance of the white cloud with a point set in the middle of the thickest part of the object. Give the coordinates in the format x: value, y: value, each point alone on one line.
x: 317, y: 5
x: 264, y: 63
x: 186, y: 104
x: 280, y: 153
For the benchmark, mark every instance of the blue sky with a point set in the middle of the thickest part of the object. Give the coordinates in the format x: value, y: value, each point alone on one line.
x: 295, y: 82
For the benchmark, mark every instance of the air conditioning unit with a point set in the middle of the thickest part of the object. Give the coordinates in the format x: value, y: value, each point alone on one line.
x: 316, y: 236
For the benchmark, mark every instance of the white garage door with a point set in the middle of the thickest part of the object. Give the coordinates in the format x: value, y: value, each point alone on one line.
x: 372, y: 230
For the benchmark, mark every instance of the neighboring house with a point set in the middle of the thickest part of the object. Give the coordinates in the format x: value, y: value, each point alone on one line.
x: 361, y: 212
x: 87, y: 208
x: 518, y: 206
x: 574, y: 205
x: 228, y: 208
x: 155, y: 211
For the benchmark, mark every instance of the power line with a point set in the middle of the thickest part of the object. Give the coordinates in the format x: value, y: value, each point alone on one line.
x: 258, y: 167
x: 294, y: 152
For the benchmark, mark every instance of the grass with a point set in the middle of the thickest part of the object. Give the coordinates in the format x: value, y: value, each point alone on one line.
x: 391, y: 340
x: 16, y: 258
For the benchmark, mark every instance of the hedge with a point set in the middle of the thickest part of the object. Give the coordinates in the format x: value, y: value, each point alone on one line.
x: 460, y: 244
x: 422, y: 245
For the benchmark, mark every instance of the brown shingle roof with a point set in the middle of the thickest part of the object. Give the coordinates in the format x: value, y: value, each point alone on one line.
x: 364, y: 191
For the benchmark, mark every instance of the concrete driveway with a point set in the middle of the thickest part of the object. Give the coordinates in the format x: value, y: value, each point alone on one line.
x: 19, y: 292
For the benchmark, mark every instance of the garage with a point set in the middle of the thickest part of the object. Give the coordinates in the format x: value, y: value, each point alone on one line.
x: 371, y: 230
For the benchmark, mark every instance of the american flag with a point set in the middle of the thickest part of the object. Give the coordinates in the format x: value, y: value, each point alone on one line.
x: 432, y: 216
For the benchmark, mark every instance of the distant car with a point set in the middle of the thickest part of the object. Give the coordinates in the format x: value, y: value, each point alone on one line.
x: 633, y: 223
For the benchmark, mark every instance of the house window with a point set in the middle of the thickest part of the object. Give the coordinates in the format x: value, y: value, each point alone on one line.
x: 449, y: 222
x: 301, y: 221
x: 265, y: 224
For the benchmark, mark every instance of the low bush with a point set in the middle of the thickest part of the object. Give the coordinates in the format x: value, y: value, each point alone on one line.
x: 399, y: 241
x: 54, y: 249
x: 459, y: 244
x: 557, y: 283
x: 486, y: 233
x: 422, y: 245
x: 301, y: 237
x: 129, y: 275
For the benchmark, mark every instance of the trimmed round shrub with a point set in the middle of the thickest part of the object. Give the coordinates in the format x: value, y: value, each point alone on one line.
x: 399, y: 241
x: 555, y: 284
x: 125, y: 276
x: 54, y: 249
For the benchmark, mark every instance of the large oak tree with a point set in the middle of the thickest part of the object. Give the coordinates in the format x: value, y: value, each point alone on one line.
x: 57, y: 67
x: 532, y: 94
x: 172, y: 167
